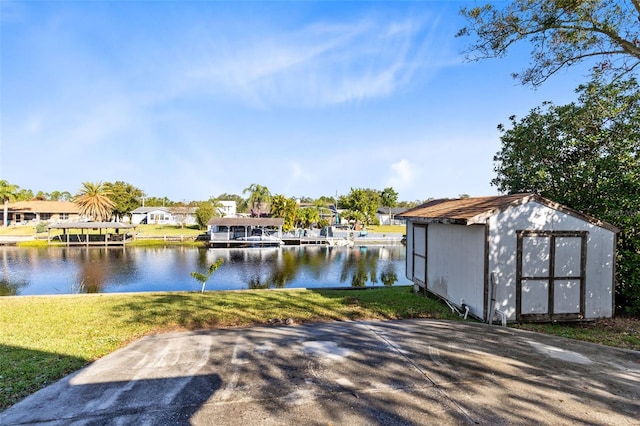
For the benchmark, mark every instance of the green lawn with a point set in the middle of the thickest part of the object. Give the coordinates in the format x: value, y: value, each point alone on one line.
x: 391, y: 229
x: 43, y: 338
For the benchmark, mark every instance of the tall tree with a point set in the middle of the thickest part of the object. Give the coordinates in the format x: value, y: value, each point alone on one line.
x: 24, y: 195
x: 60, y: 196
x: 307, y: 216
x: 562, y: 33
x: 585, y: 155
x: 94, y: 202
x: 365, y: 202
x: 286, y: 208
x: 259, y: 198
x: 388, y: 199
x: 125, y: 197
x: 158, y: 202
x: 324, y: 212
x: 204, y: 212
x: 8, y: 192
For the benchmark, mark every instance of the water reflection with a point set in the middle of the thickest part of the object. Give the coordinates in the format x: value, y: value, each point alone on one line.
x: 98, y: 270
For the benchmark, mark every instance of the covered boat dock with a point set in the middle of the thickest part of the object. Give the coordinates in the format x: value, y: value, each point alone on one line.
x: 245, y: 232
x: 115, y: 233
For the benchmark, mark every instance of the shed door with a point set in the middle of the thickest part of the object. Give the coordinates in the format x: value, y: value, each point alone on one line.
x: 419, y: 252
x: 550, y: 275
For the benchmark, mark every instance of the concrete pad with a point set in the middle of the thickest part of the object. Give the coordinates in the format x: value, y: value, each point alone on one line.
x: 387, y: 373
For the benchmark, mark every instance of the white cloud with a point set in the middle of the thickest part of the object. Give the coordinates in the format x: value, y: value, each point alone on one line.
x: 317, y: 65
x: 404, y: 175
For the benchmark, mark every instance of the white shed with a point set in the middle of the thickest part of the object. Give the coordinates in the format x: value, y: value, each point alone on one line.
x: 514, y: 257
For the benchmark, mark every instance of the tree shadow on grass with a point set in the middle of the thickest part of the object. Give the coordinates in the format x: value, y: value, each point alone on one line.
x: 24, y: 371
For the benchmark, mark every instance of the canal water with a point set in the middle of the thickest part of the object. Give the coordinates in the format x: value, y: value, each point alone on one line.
x: 70, y: 270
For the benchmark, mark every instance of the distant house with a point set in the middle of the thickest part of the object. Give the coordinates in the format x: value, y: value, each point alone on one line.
x: 228, y: 208
x: 164, y: 216
x: 387, y: 216
x: 30, y: 212
x: 515, y: 257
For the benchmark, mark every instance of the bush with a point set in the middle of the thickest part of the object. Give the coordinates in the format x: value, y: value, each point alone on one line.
x: 41, y: 227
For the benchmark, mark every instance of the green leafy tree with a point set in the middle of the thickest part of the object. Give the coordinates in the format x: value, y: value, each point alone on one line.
x: 125, y: 197
x: 217, y: 206
x: 158, y: 202
x: 203, y: 278
x: 307, y: 216
x: 388, y: 199
x: 8, y: 192
x: 41, y: 196
x: 259, y: 198
x: 205, y: 210
x: 24, y: 195
x: 363, y: 201
x: 354, y: 216
x: 585, y: 155
x: 94, y: 202
x: 562, y: 33
x: 286, y: 208
x: 60, y: 196
x: 324, y: 212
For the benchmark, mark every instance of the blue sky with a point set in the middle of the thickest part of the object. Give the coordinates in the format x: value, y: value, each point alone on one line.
x: 192, y: 99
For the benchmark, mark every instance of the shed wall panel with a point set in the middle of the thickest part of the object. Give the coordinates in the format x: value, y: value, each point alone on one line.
x: 535, y: 216
x: 455, y: 262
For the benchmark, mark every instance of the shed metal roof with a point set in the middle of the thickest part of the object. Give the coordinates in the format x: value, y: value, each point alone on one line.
x: 476, y: 210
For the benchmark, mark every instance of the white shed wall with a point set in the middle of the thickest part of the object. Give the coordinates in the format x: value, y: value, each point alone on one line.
x: 503, y: 229
x: 455, y: 264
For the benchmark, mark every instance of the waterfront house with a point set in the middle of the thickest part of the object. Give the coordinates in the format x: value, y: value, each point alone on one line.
x: 32, y: 212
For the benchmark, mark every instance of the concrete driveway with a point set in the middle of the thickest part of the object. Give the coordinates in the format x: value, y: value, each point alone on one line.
x: 347, y: 373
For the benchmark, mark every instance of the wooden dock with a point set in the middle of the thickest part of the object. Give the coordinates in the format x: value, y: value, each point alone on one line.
x: 286, y: 241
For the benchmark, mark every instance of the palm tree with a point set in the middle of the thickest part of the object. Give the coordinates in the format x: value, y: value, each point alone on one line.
x: 285, y: 208
x: 259, y: 197
x: 7, y: 193
x: 388, y: 199
x: 94, y: 202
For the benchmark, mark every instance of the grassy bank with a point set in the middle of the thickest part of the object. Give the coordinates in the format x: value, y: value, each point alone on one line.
x: 43, y: 338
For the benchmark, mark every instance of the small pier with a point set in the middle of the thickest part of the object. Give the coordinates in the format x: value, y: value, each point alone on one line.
x: 304, y: 241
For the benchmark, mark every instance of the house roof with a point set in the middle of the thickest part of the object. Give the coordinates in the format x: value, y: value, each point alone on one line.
x: 476, y: 210
x: 183, y: 210
x: 91, y: 225
x: 172, y: 210
x: 246, y: 221
x: 394, y: 210
x: 143, y: 210
x: 44, y: 207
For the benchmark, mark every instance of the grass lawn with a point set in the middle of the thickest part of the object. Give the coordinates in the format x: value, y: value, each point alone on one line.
x: 43, y: 338
x: 168, y: 230
x: 392, y: 229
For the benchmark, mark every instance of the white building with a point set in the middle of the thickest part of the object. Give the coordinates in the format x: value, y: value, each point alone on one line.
x: 228, y: 208
x: 516, y: 257
x: 164, y: 216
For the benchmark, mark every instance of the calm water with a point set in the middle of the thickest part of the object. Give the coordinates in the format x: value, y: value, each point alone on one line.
x: 55, y: 270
